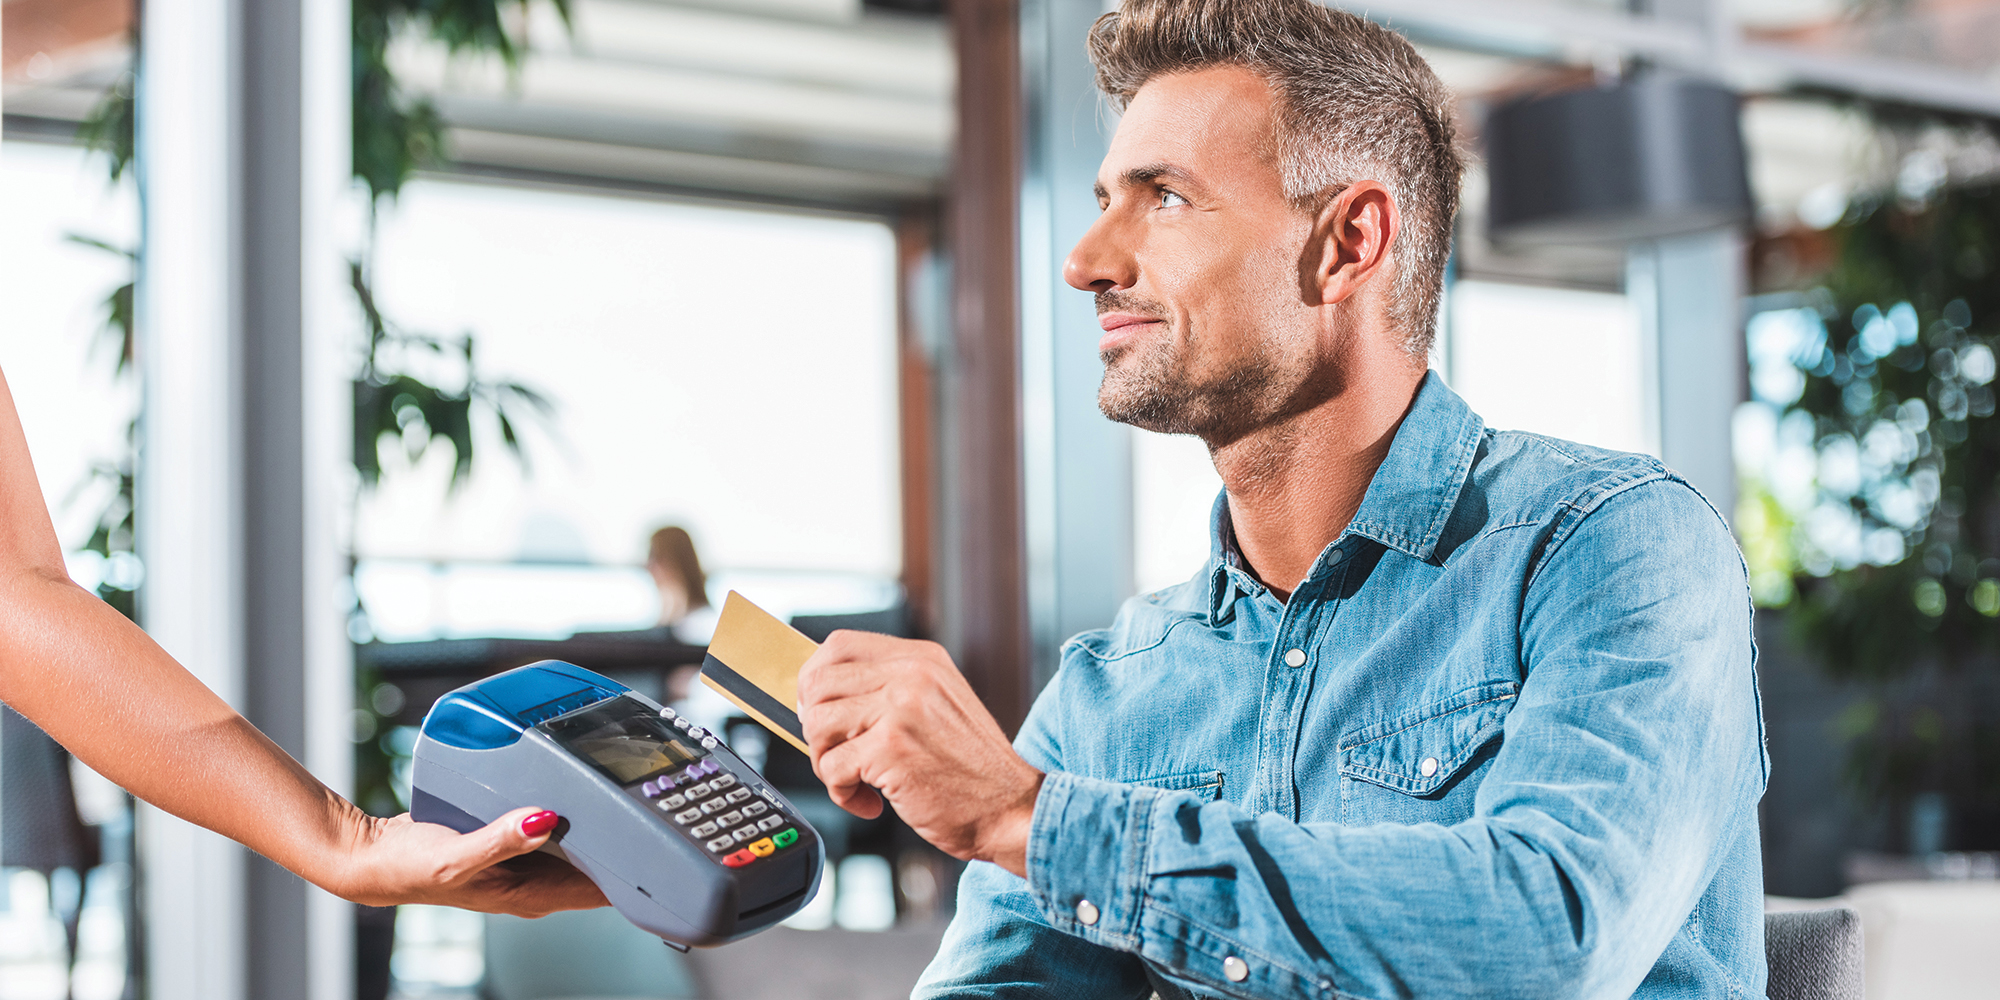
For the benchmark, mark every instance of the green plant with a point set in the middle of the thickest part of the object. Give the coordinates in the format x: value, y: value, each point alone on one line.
x: 1899, y: 582
x: 109, y: 130
x: 396, y: 133
x: 402, y: 408
x: 112, y: 125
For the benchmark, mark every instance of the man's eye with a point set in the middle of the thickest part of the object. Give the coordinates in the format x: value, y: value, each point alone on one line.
x: 1168, y: 199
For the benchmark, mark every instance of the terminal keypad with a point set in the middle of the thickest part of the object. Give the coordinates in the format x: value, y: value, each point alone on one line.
x: 737, y: 822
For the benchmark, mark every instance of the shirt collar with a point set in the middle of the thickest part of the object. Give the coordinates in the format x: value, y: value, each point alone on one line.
x: 1407, y: 503
x: 1413, y: 493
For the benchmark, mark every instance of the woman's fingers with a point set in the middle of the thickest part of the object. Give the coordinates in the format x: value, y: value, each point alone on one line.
x: 457, y: 859
x: 532, y: 885
x: 493, y: 869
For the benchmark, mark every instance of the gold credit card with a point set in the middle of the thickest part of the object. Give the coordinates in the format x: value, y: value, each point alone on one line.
x: 754, y: 662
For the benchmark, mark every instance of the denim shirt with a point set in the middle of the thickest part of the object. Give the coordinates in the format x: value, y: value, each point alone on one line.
x: 1504, y: 740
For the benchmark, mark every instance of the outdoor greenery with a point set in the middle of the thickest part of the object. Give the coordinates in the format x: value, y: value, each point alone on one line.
x: 1895, y: 562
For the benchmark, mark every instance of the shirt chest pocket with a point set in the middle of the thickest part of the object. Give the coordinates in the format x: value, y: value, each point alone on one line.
x: 1423, y: 768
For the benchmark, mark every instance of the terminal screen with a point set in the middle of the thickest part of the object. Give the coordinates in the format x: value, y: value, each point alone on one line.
x: 622, y: 738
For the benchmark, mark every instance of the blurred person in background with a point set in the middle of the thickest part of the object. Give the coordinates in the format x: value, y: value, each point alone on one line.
x: 683, y: 587
x: 87, y: 675
x: 1450, y: 712
x: 686, y: 615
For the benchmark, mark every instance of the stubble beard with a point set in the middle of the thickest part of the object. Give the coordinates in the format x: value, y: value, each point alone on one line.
x: 1151, y: 385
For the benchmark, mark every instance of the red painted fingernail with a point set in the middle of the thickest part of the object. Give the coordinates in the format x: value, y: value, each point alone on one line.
x: 536, y: 824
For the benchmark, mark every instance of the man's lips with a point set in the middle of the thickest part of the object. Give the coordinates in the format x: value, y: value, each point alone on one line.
x: 1113, y: 321
x: 1121, y: 327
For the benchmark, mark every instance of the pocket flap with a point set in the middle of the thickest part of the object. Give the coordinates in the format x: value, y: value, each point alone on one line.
x: 1209, y: 782
x: 1420, y: 753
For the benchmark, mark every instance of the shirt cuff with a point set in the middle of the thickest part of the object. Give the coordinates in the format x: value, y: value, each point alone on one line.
x: 1087, y: 854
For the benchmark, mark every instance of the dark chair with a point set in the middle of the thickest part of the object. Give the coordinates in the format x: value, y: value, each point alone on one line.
x: 1813, y: 954
x: 893, y: 620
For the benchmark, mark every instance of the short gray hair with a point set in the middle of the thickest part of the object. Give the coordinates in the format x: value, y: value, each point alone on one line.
x: 1355, y: 101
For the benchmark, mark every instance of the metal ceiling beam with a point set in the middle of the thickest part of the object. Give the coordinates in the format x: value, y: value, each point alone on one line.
x: 1534, y: 29
x: 1545, y: 30
x: 1878, y: 79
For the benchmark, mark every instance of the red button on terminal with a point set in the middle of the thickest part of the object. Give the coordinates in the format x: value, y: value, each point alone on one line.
x: 739, y: 859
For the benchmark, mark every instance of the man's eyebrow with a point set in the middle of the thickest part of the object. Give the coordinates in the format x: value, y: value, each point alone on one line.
x: 1146, y: 174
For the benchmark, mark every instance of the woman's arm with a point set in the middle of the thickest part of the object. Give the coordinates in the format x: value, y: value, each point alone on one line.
x: 120, y: 704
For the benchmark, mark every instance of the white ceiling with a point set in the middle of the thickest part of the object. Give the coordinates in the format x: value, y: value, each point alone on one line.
x: 801, y: 99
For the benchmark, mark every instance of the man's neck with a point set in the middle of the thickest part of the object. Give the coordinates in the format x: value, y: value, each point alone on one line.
x: 1294, y: 486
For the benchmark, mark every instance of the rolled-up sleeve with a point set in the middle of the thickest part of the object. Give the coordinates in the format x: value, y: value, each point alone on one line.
x: 1634, y: 750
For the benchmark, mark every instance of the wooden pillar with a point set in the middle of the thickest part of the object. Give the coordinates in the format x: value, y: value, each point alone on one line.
x: 916, y: 390
x: 985, y: 544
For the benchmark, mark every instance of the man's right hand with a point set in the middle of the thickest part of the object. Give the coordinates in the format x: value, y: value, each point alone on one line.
x: 895, y: 717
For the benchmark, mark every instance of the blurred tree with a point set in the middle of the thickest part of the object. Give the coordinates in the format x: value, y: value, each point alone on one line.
x: 1898, y: 572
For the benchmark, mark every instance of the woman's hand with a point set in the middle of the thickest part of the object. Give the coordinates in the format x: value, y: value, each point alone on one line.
x: 70, y: 664
x: 494, y: 869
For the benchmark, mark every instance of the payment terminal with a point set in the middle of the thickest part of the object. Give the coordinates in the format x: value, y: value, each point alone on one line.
x: 683, y: 837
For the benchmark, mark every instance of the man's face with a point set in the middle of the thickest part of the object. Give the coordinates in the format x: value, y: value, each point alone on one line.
x: 1197, y: 265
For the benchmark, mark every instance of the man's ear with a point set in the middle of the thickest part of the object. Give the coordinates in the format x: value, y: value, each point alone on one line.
x: 1350, y: 242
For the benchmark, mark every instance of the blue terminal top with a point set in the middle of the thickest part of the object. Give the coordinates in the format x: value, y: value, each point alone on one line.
x: 494, y: 712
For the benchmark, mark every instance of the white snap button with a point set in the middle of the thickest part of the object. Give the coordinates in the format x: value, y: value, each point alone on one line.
x: 1086, y: 913
x: 1428, y: 767
x: 1295, y: 658
x: 1234, y: 968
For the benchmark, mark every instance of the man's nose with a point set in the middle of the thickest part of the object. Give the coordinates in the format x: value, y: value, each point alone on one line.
x: 1099, y: 262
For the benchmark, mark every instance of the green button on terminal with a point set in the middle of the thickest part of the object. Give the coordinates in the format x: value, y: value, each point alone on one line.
x: 786, y: 837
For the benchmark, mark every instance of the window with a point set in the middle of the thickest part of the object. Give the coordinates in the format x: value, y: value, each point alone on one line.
x: 1555, y: 361
x: 725, y: 369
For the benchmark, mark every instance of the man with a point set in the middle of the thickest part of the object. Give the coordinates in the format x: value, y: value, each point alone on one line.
x: 1450, y: 713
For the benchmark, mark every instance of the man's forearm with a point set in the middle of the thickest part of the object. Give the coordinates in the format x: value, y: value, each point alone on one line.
x: 1237, y: 904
